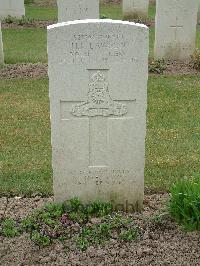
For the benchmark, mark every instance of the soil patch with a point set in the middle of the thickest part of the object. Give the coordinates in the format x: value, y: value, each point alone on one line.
x: 44, y: 3
x: 160, y: 243
x: 23, y: 71
x: 44, y: 23
x: 111, y: 1
x: 50, y: 3
x: 39, y: 70
x: 180, y: 68
x: 35, y: 24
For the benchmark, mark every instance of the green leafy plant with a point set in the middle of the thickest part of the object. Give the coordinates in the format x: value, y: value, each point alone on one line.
x: 157, y: 66
x: 91, y: 224
x: 158, y: 218
x: 24, y: 20
x: 128, y: 235
x: 19, y: 21
x: 27, y: 2
x: 39, y: 239
x: 103, y: 16
x: 195, y: 61
x: 9, y: 20
x: 184, y: 204
x: 111, y: 226
x: 9, y: 228
x: 99, y: 208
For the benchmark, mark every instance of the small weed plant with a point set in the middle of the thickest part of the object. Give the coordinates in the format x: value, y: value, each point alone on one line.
x: 184, y: 205
x: 9, y: 228
x: 85, y: 225
x: 103, y: 16
x: 21, y: 21
x: 195, y: 61
x: 157, y: 66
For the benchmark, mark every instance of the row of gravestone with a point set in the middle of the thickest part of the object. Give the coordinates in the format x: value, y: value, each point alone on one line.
x: 175, y: 26
x: 98, y: 71
x: 82, y: 9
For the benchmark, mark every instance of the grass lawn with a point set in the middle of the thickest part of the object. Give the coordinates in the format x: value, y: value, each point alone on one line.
x: 41, y: 13
x: 25, y: 45
x: 25, y: 137
x: 172, y: 151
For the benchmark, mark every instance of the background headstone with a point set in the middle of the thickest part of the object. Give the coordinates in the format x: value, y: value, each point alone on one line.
x: 13, y: 8
x: 175, y: 29
x: 198, y: 17
x: 98, y: 72
x: 69, y: 10
x: 1, y: 47
x: 135, y: 9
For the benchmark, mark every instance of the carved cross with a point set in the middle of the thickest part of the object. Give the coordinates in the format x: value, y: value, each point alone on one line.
x: 176, y: 28
x: 98, y: 111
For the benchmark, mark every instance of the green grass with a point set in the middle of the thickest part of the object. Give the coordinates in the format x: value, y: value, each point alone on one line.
x: 25, y: 45
x: 152, y: 12
x: 111, y: 11
x: 25, y: 158
x: 41, y: 13
x: 172, y: 149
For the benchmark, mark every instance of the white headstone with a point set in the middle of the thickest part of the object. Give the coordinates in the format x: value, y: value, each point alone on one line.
x: 98, y: 96
x: 13, y: 8
x: 69, y: 10
x: 175, y: 29
x: 135, y: 9
x: 1, y: 47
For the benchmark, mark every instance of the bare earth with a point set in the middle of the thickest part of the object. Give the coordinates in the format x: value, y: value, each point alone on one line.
x: 158, y: 244
x: 46, y: 3
x: 39, y: 70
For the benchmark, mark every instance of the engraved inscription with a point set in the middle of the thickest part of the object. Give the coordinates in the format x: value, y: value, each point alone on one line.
x: 99, y: 101
x: 111, y: 177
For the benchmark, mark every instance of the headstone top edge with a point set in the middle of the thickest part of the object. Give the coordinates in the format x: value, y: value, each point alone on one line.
x: 100, y: 21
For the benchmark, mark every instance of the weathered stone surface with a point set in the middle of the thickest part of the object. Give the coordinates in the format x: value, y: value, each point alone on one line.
x: 98, y: 97
x: 13, y: 8
x: 1, y: 47
x: 69, y: 10
x: 135, y: 9
x: 175, y: 29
